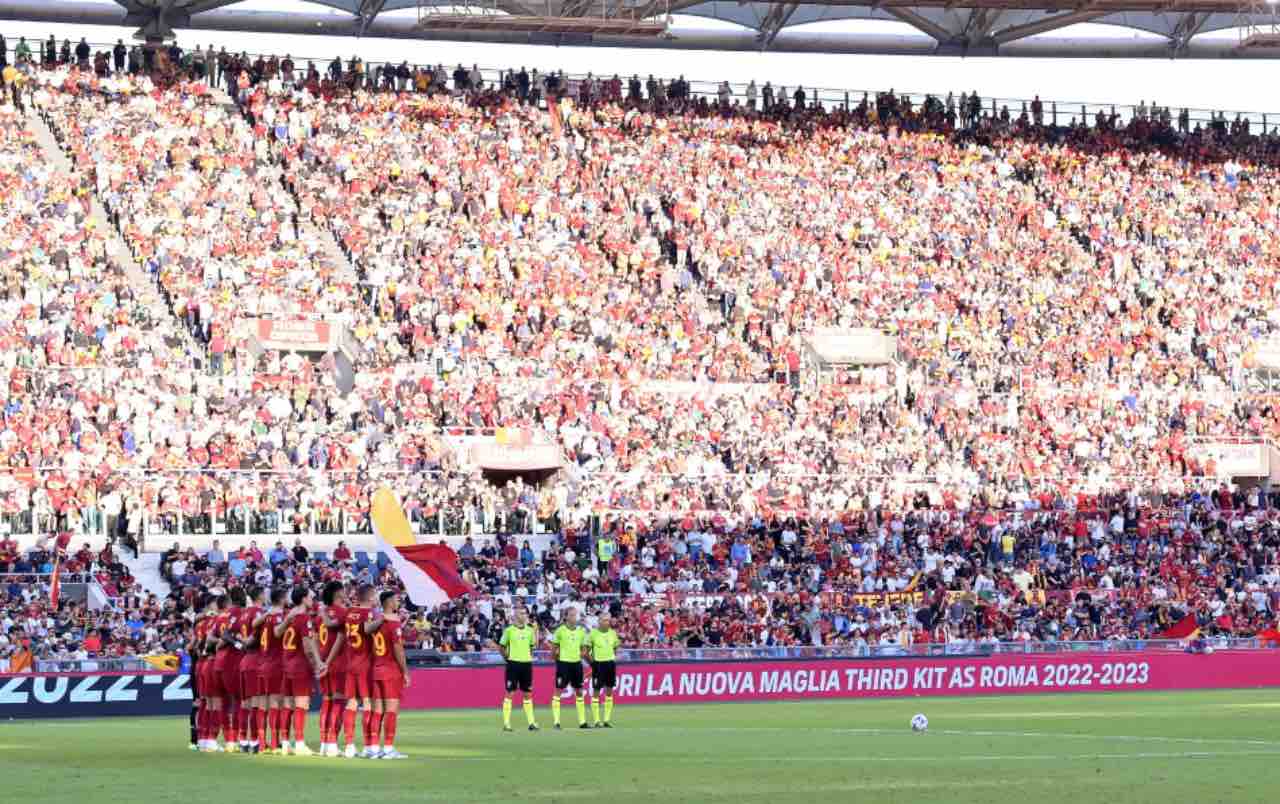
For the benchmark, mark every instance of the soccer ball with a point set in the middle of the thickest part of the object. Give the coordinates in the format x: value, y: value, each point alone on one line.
x: 919, y: 723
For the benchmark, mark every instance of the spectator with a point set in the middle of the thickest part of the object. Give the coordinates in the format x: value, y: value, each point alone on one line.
x: 278, y: 554
x: 215, y: 555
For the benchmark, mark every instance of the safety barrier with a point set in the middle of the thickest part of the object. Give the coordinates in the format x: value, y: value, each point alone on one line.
x: 763, y: 680
x: 693, y: 680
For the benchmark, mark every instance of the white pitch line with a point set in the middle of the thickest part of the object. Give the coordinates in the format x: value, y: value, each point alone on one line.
x: 877, y: 760
x: 962, y: 733
x: 413, y: 730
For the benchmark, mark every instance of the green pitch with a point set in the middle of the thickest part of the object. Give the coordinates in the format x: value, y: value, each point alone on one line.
x: 1166, y: 748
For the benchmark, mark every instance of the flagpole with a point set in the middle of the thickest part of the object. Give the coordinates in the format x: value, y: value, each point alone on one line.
x: 55, y: 585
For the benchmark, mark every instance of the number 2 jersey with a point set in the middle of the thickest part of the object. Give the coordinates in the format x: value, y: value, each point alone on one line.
x: 295, y: 656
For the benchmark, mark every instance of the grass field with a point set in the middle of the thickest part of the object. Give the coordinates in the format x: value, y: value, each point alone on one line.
x: 1117, y: 748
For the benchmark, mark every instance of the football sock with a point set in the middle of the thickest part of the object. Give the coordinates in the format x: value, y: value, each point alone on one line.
x: 389, y: 728
x: 286, y: 723
x: 368, y: 732
x: 373, y: 731
x: 326, y: 712
x: 263, y: 736
x: 528, y: 709
x: 230, y: 714
x: 506, y: 711
x: 215, y: 723
x: 244, y: 722
x: 196, y: 736
x: 555, y: 709
x: 608, y: 708
x: 349, y: 725
x: 300, y: 724
x: 336, y: 720
x: 582, y: 710
x: 595, y: 708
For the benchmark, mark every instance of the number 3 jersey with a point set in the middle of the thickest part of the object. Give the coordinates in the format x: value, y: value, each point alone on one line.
x: 359, y: 645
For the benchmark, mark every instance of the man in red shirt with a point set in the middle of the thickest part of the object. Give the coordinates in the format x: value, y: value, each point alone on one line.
x: 251, y: 701
x: 229, y: 655
x: 302, y: 666
x: 390, y: 673
x: 201, y: 706
x: 333, y: 685
x: 271, y: 670
x: 8, y: 553
x: 216, y: 651
x: 357, y: 650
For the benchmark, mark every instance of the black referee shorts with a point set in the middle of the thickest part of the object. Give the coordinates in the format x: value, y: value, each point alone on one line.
x: 520, y: 676
x: 604, y: 674
x: 569, y: 674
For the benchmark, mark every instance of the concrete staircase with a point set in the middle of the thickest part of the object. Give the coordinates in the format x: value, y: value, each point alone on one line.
x: 145, y: 568
x: 116, y: 248
x: 143, y: 285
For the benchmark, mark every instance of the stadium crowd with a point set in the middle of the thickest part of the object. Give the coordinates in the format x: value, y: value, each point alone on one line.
x: 631, y: 275
x: 1118, y: 571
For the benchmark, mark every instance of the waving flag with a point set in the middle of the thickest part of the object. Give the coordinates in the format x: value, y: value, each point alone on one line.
x: 429, y: 571
x: 1182, y: 629
x: 1270, y: 636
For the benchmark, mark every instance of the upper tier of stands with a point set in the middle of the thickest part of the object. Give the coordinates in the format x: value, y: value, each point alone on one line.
x: 633, y: 281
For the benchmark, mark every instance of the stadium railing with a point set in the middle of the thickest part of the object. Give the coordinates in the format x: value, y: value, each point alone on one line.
x: 127, y: 664
x: 234, y: 523
x: 1056, y: 112
x: 931, y: 650
x: 79, y: 587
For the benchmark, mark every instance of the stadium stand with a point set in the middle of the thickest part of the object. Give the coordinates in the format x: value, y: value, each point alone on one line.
x: 578, y: 343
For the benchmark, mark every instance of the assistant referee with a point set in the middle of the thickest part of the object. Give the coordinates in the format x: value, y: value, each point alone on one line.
x: 517, y: 644
x: 566, y: 649
x: 602, y: 644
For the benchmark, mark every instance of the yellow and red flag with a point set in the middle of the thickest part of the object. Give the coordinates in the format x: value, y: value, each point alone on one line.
x: 429, y: 571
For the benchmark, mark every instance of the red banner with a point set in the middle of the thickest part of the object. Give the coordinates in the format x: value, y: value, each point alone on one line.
x: 302, y: 335
x: 692, y: 682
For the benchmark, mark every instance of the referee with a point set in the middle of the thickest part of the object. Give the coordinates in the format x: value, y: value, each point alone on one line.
x: 566, y: 649
x: 602, y: 643
x: 517, y: 643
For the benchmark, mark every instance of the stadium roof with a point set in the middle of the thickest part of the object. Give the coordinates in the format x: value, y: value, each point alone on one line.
x: 972, y: 27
